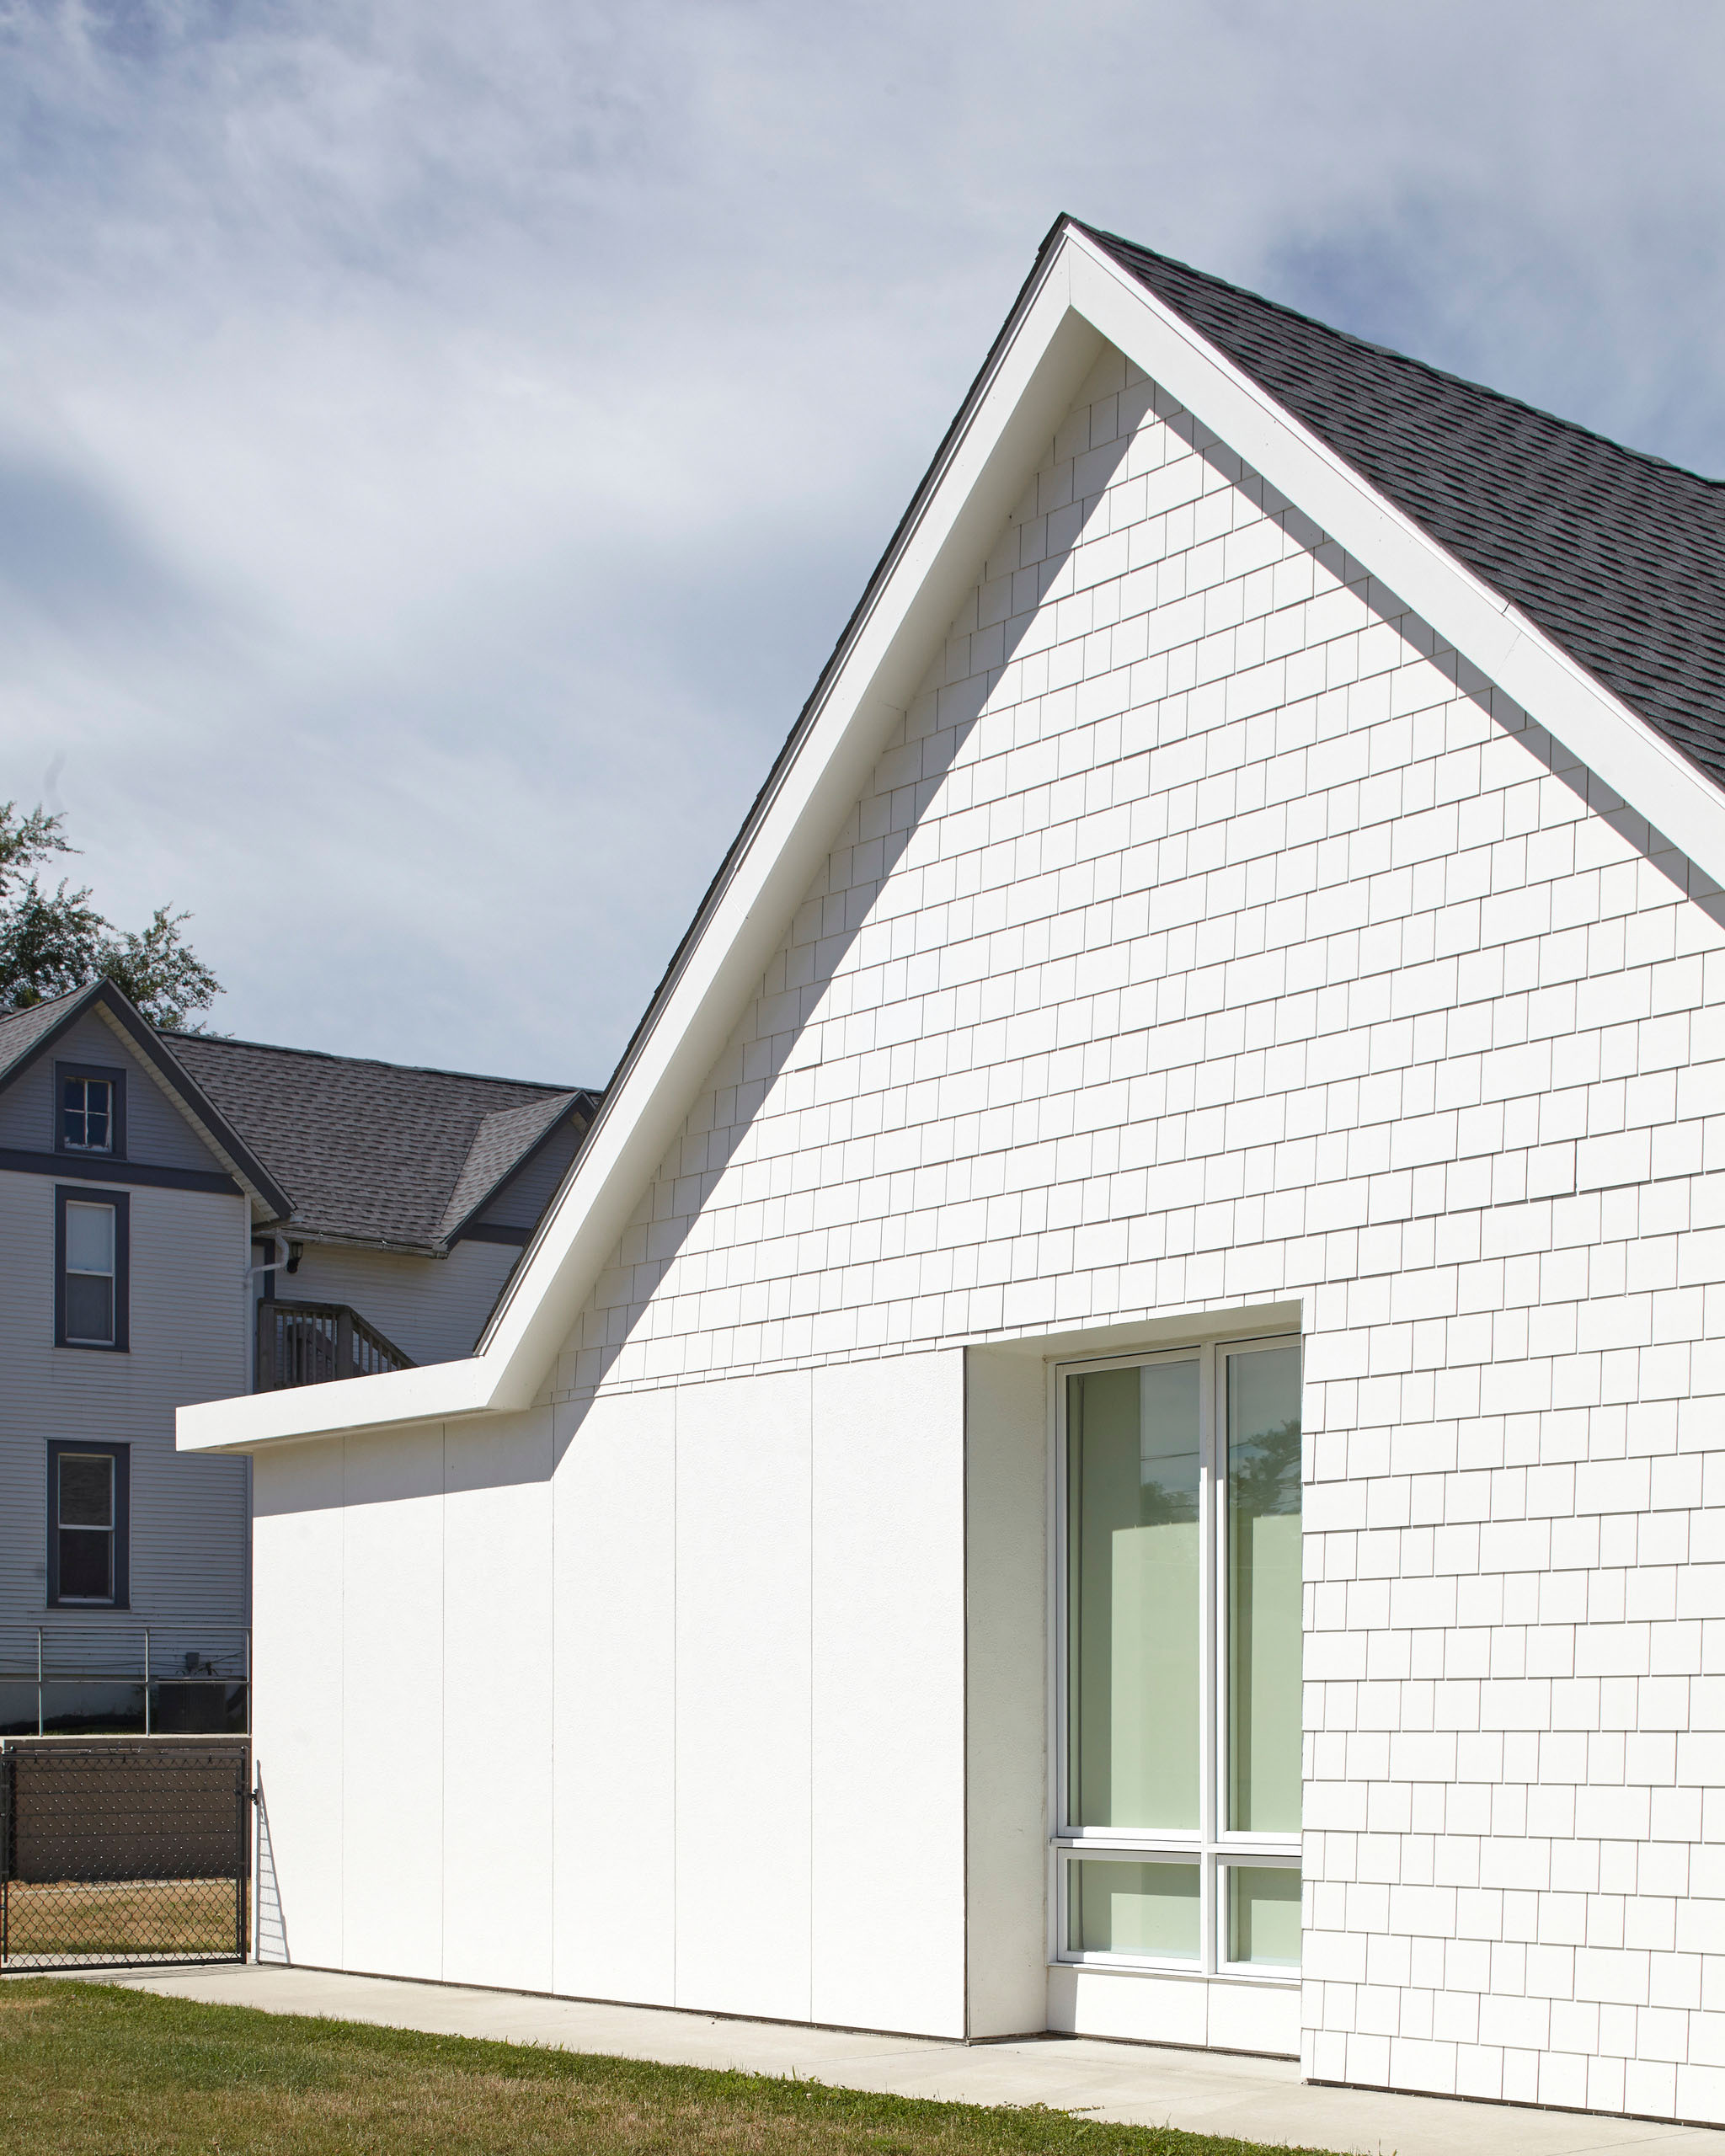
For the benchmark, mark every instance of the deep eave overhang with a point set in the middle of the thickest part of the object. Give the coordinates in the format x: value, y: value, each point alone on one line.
x: 1076, y: 299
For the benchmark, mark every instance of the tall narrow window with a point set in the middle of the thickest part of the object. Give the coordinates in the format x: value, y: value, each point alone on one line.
x: 88, y: 1520
x: 1178, y: 1841
x: 92, y: 1267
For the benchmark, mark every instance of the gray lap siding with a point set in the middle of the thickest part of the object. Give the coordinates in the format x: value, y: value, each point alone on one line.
x: 189, y: 1524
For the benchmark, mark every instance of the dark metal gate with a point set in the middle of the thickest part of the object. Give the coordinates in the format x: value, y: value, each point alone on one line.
x: 123, y: 1851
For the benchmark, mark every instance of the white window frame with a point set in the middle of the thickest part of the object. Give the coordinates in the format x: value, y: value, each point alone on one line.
x: 86, y: 1079
x: 1215, y: 1846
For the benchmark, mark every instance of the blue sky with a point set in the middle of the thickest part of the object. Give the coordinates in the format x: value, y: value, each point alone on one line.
x: 438, y: 447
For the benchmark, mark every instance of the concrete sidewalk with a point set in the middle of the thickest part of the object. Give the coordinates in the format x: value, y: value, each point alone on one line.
x: 1258, y: 2099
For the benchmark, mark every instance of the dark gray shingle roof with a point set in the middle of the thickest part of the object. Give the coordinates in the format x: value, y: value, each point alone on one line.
x: 500, y: 1141
x: 375, y: 1152
x: 1619, y: 556
x: 21, y: 1030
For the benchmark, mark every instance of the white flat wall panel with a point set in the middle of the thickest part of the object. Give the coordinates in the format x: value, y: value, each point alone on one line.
x: 1129, y: 2007
x: 886, y: 1921
x: 1245, y: 2017
x: 1223, y: 2014
x: 614, y: 1711
x: 392, y: 1704
x: 744, y: 1677
x: 498, y: 1702
x: 299, y: 1677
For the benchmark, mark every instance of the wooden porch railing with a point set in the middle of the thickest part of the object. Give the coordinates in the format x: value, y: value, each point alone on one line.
x: 311, y: 1343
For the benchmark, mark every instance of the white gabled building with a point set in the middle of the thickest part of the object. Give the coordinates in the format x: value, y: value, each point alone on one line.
x: 1230, y: 954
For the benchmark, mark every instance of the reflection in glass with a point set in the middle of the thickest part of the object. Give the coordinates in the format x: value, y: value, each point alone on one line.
x: 1150, y: 1910
x: 1264, y: 1916
x: 86, y: 1552
x: 1133, y: 1613
x: 89, y: 1273
x: 1264, y: 1605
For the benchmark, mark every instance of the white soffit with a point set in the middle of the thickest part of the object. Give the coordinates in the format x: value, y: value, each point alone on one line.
x: 1077, y: 298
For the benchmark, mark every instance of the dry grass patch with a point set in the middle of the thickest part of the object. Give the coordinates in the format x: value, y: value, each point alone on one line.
x: 97, y: 2070
x: 56, y: 1922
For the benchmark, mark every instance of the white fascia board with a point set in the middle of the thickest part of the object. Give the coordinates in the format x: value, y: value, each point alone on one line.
x: 1013, y: 414
x: 1637, y: 762
x: 435, y: 1394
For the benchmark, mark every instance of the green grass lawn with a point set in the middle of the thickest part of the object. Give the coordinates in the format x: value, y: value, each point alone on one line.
x: 95, y: 2070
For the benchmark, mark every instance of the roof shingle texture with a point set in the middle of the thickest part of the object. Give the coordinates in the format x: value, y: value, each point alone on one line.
x: 1619, y: 556
x: 372, y: 1152
x: 21, y: 1030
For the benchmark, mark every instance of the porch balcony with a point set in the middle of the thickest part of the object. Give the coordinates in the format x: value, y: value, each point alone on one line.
x: 312, y: 1343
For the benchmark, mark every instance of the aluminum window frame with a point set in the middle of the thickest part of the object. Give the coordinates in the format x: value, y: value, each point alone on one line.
x: 1214, y: 1846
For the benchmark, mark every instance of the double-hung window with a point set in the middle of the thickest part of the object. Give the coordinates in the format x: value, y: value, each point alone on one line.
x: 88, y: 1523
x: 92, y: 1266
x: 1180, y: 1727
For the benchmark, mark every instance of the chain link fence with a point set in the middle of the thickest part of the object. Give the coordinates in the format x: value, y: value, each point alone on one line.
x: 123, y: 1852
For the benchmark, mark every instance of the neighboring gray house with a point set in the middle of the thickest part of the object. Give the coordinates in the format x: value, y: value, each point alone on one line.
x: 146, y: 1180
x: 414, y: 1192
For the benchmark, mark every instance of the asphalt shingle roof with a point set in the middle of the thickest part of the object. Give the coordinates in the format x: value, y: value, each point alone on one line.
x: 21, y: 1030
x: 1619, y: 556
x: 373, y: 1152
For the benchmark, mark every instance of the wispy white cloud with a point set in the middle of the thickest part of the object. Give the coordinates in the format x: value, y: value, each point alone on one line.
x: 438, y: 447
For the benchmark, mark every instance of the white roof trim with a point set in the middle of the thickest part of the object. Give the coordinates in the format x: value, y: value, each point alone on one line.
x: 1077, y: 297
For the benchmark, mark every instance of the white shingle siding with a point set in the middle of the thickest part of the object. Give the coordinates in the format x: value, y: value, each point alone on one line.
x: 1211, y: 937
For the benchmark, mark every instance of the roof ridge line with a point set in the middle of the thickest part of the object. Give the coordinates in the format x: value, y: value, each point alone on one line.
x: 372, y: 1062
x: 1406, y: 359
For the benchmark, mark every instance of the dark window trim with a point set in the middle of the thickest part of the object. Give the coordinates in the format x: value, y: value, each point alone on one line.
x: 99, y: 1168
x: 121, y: 1201
x: 115, y: 1076
x: 121, y: 1456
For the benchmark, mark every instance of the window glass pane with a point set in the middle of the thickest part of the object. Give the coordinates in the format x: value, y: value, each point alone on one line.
x: 89, y: 1238
x: 1264, y: 1916
x: 86, y: 1490
x: 1264, y: 1606
x: 86, y: 1565
x: 87, y: 1114
x: 89, y: 1307
x: 1132, y: 1908
x: 1133, y: 1667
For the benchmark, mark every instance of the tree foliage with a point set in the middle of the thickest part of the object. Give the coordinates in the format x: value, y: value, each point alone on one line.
x: 53, y: 941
